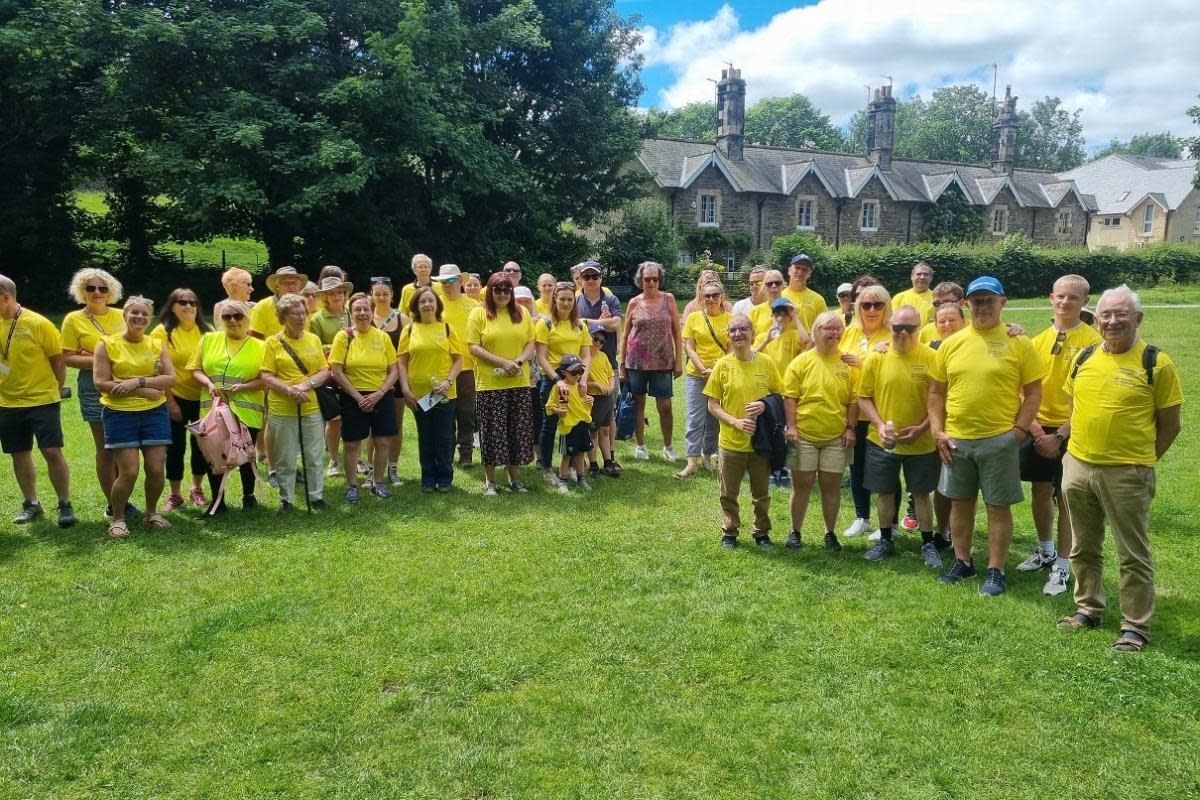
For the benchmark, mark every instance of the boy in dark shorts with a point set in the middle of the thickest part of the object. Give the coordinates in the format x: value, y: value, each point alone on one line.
x: 572, y: 405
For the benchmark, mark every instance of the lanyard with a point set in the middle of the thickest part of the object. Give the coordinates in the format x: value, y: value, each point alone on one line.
x: 95, y: 322
x: 11, y: 331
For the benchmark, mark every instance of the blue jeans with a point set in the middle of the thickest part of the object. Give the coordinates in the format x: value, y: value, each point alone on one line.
x: 435, y: 444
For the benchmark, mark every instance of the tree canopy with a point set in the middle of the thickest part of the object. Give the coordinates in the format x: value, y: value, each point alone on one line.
x: 792, y: 121
x: 1158, y: 145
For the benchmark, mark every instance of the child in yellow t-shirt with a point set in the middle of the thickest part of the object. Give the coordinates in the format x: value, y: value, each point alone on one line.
x: 570, y: 402
x: 602, y: 386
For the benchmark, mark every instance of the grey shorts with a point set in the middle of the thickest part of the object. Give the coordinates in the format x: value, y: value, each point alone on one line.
x: 89, y: 397
x: 882, y: 471
x: 992, y: 465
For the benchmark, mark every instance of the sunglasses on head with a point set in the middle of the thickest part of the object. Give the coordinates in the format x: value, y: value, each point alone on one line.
x: 233, y: 316
x: 903, y: 327
x: 876, y: 305
x: 189, y: 303
x: 96, y: 289
x: 381, y: 279
x: 773, y: 284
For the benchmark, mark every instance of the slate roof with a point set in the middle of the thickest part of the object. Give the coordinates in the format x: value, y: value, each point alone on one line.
x: 676, y: 163
x: 1121, y: 182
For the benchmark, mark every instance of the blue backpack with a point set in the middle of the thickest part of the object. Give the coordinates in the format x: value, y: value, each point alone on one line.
x: 626, y: 414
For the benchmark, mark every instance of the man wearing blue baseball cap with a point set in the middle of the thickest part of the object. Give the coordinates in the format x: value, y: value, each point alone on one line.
x: 807, y: 302
x: 984, y: 391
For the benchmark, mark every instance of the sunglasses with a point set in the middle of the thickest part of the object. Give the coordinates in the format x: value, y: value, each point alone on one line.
x: 773, y: 284
x: 235, y: 316
x: 872, y: 306
x: 712, y: 297
x: 501, y: 290
x: 843, y: 294
x: 650, y: 279
x: 904, y: 327
x: 96, y: 289
x: 450, y: 280
x: 576, y: 371
x: 188, y: 303
x: 1058, y: 343
x: 512, y: 272
x: 591, y: 277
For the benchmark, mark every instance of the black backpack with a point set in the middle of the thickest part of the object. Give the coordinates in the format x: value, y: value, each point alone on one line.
x: 1149, y: 361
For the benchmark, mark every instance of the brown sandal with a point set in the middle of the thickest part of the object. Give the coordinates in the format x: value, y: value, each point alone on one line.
x: 1130, y: 642
x: 156, y: 521
x: 1079, y: 621
x: 117, y: 529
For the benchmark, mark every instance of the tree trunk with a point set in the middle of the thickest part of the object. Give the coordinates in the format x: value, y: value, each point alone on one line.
x: 277, y: 236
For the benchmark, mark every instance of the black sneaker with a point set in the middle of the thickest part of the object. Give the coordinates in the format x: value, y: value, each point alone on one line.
x: 994, y: 583
x: 29, y: 512
x: 831, y: 542
x: 958, y: 570
x: 942, y: 542
x: 215, y: 509
x: 729, y: 542
x: 880, y: 550
x: 285, y: 507
x: 319, y: 504
x: 249, y: 502
x: 764, y: 543
x: 66, y: 514
x: 594, y: 470
x: 793, y: 541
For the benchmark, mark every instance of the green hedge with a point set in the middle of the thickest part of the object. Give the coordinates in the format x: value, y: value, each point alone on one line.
x: 1025, y: 270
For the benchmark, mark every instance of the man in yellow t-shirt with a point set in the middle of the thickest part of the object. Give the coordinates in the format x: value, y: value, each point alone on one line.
x: 1124, y: 414
x: 33, y: 372
x: 456, y: 310
x: 1041, y: 455
x: 807, y: 302
x: 736, y: 387
x: 893, y: 395
x: 919, y: 296
x: 984, y: 391
x: 264, y: 322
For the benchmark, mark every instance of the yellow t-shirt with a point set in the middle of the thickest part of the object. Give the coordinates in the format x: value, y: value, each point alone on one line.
x: 808, y: 305
x: 984, y: 372
x: 263, y: 319
x: 406, y: 295
x: 132, y: 360
x: 782, y: 349
x: 366, y: 360
x: 929, y: 333
x: 277, y: 361
x: 1053, y: 410
x: 542, y: 307
x: 601, y: 372
x: 898, y: 384
x: 82, y: 332
x: 761, y: 318
x: 180, y: 348
x: 1114, y: 414
x: 561, y: 338
x: 457, y: 312
x: 431, y: 347
x: 858, y: 343
x: 921, y: 301
x: 822, y: 386
x: 734, y: 383
x: 503, y: 338
x: 579, y: 407
x: 26, y: 377
x: 694, y: 328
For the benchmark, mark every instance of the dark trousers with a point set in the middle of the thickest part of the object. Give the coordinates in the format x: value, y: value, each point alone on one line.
x: 462, y: 426
x: 245, y: 470
x: 549, y: 427
x: 435, y: 444
x: 179, y: 438
x: 862, y: 497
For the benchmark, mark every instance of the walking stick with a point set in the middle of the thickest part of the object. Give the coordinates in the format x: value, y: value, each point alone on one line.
x: 303, y: 460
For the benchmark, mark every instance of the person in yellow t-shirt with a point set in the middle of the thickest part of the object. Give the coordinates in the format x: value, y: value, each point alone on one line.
x: 705, y: 339
x: 293, y: 415
x: 761, y: 315
x: 456, y: 310
x: 735, y: 389
x: 919, y: 296
x: 569, y: 401
x: 819, y: 397
x: 545, y: 288
x: 1041, y: 454
x: 363, y: 362
x: 134, y: 374
x: 32, y: 376
x: 602, y: 386
x: 473, y: 287
x: 264, y: 322
x: 422, y: 269
x: 945, y: 293
x: 984, y: 393
x: 181, y: 325
x: 1124, y: 415
x: 893, y: 396
x: 807, y: 302
x: 562, y: 335
x: 786, y: 338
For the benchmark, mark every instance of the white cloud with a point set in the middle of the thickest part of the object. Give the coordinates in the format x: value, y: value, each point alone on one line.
x: 1131, y: 72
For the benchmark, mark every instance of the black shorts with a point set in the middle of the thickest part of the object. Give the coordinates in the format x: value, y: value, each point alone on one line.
x: 19, y: 426
x: 602, y: 409
x: 881, y: 472
x: 575, y: 441
x: 1036, y: 468
x: 358, y: 424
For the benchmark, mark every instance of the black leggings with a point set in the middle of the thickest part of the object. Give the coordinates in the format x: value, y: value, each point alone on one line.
x: 179, y: 438
x: 246, y: 470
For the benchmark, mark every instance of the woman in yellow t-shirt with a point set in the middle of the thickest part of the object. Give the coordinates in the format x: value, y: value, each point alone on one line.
x: 391, y: 321
x: 363, y: 363
x: 181, y: 324
x: 94, y: 289
x: 545, y: 286
x: 134, y: 374
x: 562, y: 335
x: 431, y: 356
x: 705, y: 339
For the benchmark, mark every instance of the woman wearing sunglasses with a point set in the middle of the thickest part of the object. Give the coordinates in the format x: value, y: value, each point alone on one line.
x: 705, y: 339
x: 181, y: 324
x: 652, y: 349
x: 226, y: 364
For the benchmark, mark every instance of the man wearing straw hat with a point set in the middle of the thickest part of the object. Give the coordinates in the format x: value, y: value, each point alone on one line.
x: 263, y: 321
x: 456, y: 307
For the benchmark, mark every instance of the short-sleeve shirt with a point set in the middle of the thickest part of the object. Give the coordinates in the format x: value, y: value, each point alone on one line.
x: 365, y: 359
x: 410, y: 289
x: 898, y: 384
x: 808, y: 305
x: 27, y: 344
x: 431, y: 348
x: 140, y: 359
x: 561, y: 338
x: 601, y: 372
x: 856, y: 341
x: 590, y: 310
x: 263, y: 319
x: 457, y: 312
x: 1114, y: 421
x: 578, y: 408
x: 180, y: 347
x: 921, y: 301
x: 707, y: 347
x: 761, y: 318
x: 1052, y: 413
x: 226, y: 364
x: 502, y: 338
x: 325, y: 326
x: 782, y: 349
x: 734, y: 383
x: 822, y: 386
x: 81, y: 331
x: 277, y: 361
x: 984, y: 372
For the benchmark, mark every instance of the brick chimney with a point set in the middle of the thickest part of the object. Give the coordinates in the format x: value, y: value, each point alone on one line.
x: 731, y: 113
x: 1004, y: 135
x: 881, y: 128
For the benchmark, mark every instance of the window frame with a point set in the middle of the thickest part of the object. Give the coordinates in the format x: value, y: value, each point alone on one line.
x: 862, y: 214
x: 715, y: 197
x: 812, y: 212
x: 1148, y: 219
x: 1062, y: 223
x: 1000, y: 213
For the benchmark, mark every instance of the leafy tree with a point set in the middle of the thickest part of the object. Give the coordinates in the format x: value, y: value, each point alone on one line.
x: 1049, y: 137
x: 1158, y: 145
x: 951, y: 219
x: 693, y: 121
x: 791, y: 122
x: 642, y: 231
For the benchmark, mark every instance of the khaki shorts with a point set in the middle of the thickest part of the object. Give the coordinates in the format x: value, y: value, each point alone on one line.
x: 827, y: 456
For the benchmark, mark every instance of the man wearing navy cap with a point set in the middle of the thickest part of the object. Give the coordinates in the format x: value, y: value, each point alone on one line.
x: 984, y: 391
x: 807, y: 302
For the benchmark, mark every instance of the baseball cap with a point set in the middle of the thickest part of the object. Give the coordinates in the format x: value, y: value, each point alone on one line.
x: 590, y: 266
x: 782, y: 302
x: 845, y: 288
x: 985, y: 283
x: 595, y: 328
x: 570, y: 363
x: 522, y: 293
x: 802, y: 257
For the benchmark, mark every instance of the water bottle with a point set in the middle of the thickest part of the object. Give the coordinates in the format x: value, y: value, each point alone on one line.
x: 889, y: 435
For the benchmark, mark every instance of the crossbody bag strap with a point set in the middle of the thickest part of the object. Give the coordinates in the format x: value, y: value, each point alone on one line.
x: 292, y: 353
x: 713, y: 333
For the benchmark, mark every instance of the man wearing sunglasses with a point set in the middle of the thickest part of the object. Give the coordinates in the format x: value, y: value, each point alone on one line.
x: 1041, y: 455
x: 984, y: 393
x: 598, y: 307
x: 762, y: 316
x: 758, y: 292
x: 807, y: 302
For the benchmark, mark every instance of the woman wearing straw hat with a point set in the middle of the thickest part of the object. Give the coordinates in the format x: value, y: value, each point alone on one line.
x: 456, y: 309
x: 330, y: 318
x: 263, y: 320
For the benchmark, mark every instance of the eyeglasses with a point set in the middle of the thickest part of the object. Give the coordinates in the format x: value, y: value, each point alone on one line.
x: 1107, y: 315
x: 591, y: 277
x: 188, y: 303
x: 904, y: 327
x: 1058, y: 343
x: 235, y: 316
x: 872, y: 306
x: 739, y: 329
x: 773, y: 284
x: 843, y: 294
x: 511, y: 271
x: 712, y: 296
x: 96, y: 289
x: 501, y: 290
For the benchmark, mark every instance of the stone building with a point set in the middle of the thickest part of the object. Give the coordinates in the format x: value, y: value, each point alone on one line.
x: 872, y: 199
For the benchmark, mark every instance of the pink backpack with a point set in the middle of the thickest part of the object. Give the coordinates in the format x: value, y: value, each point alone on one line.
x: 225, y: 443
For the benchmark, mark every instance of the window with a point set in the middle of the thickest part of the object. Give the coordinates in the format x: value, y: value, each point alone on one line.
x: 1148, y: 219
x: 685, y: 258
x: 1062, y: 225
x: 804, y: 213
x: 1196, y: 224
x: 869, y: 219
x: 1111, y: 222
x: 1124, y: 196
x: 999, y: 220
x: 708, y: 211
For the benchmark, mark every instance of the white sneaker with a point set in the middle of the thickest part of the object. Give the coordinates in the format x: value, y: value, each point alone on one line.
x: 857, y: 528
x: 549, y: 477
x: 394, y: 476
x: 333, y: 471
x: 641, y: 453
x: 1057, y: 583
x: 876, y: 536
x: 670, y: 455
x: 562, y: 486
x: 1037, y: 561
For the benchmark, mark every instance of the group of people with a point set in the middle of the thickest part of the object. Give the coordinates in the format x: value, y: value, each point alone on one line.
x: 927, y: 407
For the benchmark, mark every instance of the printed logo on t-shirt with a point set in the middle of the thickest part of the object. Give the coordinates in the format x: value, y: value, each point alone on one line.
x: 997, y: 349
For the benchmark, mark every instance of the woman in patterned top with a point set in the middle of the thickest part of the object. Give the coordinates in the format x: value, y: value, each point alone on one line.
x: 652, y: 354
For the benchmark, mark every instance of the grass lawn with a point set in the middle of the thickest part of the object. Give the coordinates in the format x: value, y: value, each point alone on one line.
x: 598, y: 646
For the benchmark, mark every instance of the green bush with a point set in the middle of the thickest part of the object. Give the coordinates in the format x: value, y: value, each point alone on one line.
x: 643, y: 231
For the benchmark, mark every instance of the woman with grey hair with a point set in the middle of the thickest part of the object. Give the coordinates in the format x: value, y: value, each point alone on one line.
x: 652, y: 354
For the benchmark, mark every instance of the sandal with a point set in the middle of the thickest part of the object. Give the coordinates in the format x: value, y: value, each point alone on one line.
x: 1130, y: 642
x: 156, y: 521
x: 117, y: 529
x: 686, y: 472
x: 1079, y: 621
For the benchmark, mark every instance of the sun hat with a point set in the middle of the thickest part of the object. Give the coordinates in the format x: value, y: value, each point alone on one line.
x: 985, y: 283
x: 284, y: 272
x: 845, y: 288
x: 448, y: 272
x: 333, y: 283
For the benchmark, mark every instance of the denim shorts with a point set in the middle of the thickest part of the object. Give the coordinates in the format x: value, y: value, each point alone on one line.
x: 124, y: 429
x: 89, y: 397
x: 655, y: 383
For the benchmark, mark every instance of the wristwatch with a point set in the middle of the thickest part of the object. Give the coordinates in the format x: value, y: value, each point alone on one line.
x: 1060, y: 437
x: 142, y: 382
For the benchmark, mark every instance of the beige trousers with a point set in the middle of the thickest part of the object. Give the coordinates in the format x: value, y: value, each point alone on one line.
x: 729, y: 479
